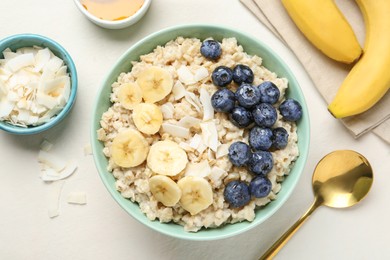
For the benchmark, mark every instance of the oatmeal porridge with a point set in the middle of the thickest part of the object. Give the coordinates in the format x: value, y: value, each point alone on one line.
x: 176, y: 156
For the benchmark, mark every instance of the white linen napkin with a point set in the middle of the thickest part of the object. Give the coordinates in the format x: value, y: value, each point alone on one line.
x: 326, y: 74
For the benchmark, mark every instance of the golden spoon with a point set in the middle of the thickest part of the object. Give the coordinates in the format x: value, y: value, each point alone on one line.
x: 341, y: 179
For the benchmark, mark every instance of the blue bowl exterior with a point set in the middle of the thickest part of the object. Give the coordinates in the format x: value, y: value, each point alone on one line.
x: 15, y: 42
x: 252, y: 46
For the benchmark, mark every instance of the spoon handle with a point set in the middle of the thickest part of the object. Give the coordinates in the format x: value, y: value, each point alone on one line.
x: 275, y: 248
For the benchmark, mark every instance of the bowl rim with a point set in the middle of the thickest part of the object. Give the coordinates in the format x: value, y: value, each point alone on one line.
x: 112, y: 24
x: 7, y: 42
x: 302, y: 156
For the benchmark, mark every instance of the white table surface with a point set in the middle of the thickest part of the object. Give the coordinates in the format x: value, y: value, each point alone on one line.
x: 101, y: 229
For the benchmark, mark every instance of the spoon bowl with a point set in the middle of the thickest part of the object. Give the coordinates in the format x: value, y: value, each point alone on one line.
x: 341, y: 179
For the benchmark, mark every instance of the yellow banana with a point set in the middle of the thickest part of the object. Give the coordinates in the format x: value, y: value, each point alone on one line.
x: 325, y: 27
x: 369, y: 79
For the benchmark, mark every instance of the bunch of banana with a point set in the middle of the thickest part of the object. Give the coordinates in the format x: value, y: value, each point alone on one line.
x: 369, y: 79
x: 324, y: 25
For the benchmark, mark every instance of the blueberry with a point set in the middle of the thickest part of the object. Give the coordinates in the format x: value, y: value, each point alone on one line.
x: 239, y: 153
x: 247, y: 95
x: 211, y: 49
x: 264, y: 115
x: 241, y: 117
x: 261, y: 163
x: 222, y: 76
x: 279, y: 138
x: 260, y: 138
x: 242, y: 74
x: 260, y: 187
x: 223, y: 100
x: 269, y: 92
x: 237, y: 194
x: 291, y: 110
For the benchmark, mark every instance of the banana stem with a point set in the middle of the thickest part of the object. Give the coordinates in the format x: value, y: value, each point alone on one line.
x: 275, y: 248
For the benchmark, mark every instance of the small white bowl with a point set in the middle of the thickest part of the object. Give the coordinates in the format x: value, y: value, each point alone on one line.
x: 120, y: 24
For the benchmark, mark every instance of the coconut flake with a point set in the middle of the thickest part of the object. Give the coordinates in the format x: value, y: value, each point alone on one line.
x: 87, y: 149
x: 65, y: 173
x: 205, y: 99
x: 167, y: 110
x: 189, y: 121
x: 185, y: 75
x: 46, y: 145
x: 77, y: 198
x: 54, y: 195
x: 196, y: 141
x: 54, y: 64
x: 210, y: 135
x: 222, y: 150
x: 186, y: 146
x: 217, y: 175
x: 178, y: 90
x: 51, y: 160
x: 6, y: 107
x: 46, y: 100
x: 201, y: 74
x: 175, y: 130
x: 201, y: 169
x: 41, y: 59
x: 55, y: 86
x: 193, y: 100
x: 20, y: 61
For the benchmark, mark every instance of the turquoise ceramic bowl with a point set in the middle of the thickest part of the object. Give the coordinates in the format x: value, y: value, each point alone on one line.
x: 252, y: 46
x: 15, y: 42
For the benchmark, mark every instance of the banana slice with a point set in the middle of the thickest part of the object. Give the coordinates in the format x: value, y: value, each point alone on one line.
x: 129, y: 95
x: 197, y: 194
x: 147, y: 118
x: 155, y: 83
x: 165, y: 190
x: 129, y: 148
x: 167, y: 158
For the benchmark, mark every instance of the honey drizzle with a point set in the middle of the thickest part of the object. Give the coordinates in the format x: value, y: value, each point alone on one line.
x: 112, y: 10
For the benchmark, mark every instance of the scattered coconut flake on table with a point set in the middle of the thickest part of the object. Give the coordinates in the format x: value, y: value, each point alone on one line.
x: 34, y: 86
x: 87, y: 149
x: 46, y: 145
x: 70, y: 168
x: 51, y: 160
x: 77, y: 198
x: 53, y: 167
x: 54, y: 195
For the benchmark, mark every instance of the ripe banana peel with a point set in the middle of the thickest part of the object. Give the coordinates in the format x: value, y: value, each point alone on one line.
x: 369, y: 79
x: 325, y: 27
